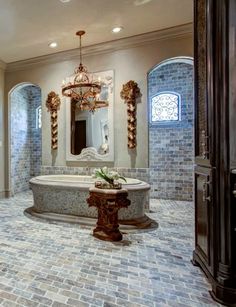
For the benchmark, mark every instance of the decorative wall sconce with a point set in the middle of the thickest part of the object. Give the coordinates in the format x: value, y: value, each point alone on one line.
x: 53, y: 105
x: 130, y: 92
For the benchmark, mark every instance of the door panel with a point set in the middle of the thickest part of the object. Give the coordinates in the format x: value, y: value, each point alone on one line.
x: 203, y: 215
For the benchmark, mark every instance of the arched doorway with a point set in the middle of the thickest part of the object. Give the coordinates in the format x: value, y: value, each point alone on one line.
x: 25, y: 144
x: 171, y: 124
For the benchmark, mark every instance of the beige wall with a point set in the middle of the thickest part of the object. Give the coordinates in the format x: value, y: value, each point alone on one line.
x: 128, y: 64
x: 2, y: 144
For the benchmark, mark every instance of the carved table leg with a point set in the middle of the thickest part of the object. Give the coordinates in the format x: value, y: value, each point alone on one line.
x: 108, y: 206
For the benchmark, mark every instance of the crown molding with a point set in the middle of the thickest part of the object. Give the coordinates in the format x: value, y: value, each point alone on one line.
x: 3, y: 65
x: 107, y: 47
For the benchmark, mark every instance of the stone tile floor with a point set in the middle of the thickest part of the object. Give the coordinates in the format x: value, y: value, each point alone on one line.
x: 55, y: 264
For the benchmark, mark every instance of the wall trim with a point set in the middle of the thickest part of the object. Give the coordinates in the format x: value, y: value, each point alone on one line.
x: 181, y: 31
x: 3, y: 65
x: 179, y: 59
x: 5, y: 194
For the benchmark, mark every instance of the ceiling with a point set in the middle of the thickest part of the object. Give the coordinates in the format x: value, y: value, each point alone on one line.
x: 28, y: 26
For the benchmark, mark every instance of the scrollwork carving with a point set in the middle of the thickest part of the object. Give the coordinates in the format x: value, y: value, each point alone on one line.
x: 108, y: 205
x: 53, y: 103
x: 130, y: 92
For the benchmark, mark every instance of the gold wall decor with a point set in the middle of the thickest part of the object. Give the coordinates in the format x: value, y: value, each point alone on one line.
x: 53, y: 105
x: 130, y: 92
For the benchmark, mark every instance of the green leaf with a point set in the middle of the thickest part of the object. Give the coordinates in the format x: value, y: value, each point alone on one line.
x: 123, y: 178
x: 102, y: 175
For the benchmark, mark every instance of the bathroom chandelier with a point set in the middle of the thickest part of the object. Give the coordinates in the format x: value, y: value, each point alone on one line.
x: 83, y: 87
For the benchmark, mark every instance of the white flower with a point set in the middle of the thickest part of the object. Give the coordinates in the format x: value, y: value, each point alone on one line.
x: 105, y: 170
x: 114, y: 175
x: 106, y: 175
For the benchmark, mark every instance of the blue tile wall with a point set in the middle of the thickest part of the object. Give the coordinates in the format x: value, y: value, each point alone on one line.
x: 36, y: 134
x: 26, y: 141
x: 171, y: 145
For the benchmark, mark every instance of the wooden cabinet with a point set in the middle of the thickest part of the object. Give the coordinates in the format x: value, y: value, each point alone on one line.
x: 215, y: 98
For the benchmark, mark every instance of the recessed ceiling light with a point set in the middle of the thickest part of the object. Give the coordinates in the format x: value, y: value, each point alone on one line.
x: 65, y: 1
x: 141, y: 2
x: 117, y: 29
x: 53, y: 45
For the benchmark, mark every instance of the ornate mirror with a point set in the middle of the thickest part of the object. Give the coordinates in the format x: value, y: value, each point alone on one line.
x: 89, y: 135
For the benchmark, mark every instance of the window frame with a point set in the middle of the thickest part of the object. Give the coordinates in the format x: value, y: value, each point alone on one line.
x: 165, y: 122
x: 37, y: 126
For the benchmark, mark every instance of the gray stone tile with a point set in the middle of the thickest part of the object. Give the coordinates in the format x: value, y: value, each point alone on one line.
x: 25, y: 302
x: 77, y: 303
x: 52, y: 264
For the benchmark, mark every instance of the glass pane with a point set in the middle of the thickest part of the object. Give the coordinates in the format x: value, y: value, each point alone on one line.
x: 165, y: 107
x: 39, y: 118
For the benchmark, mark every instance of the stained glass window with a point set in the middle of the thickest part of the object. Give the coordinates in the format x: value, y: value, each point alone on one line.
x: 39, y: 117
x: 165, y: 107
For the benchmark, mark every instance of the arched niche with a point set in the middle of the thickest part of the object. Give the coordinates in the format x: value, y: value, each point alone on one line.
x: 170, y: 90
x: 24, y: 136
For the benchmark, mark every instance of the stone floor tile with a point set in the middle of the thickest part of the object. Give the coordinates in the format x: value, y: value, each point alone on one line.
x: 56, y: 264
x: 8, y: 296
x: 58, y: 304
x: 26, y: 302
x: 77, y: 303
x: 41, y: 299
x: 7, y: 303
x: 106, y: 298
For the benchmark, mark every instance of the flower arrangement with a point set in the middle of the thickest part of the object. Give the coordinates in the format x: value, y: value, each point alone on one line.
x: 109, y: 177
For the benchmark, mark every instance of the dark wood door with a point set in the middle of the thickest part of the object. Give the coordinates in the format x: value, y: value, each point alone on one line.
x: 204, y: 216
x: 215, y: 153
x: 205, y: 135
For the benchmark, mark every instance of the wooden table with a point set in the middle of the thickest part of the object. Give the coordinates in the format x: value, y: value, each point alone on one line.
x: 108, y: 202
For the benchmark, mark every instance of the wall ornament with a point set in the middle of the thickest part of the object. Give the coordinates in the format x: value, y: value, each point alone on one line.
x: 53, y: 103
x: 130, y: 92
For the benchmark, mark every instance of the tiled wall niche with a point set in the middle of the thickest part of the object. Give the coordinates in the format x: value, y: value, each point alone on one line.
x: 171, y: 145
x: 25, y: 137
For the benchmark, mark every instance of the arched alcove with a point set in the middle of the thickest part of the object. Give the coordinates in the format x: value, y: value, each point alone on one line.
x: 171, y: 123
x: 25, y: 144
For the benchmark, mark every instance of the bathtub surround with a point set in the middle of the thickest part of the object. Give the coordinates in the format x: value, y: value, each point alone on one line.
x: 138, y: 173
x: 143, y: 174
x: 25, y: 137
x: 67, y: 195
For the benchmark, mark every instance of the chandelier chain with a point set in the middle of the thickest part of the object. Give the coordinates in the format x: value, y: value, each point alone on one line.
x: 84, y: 88
x: 80, y: 48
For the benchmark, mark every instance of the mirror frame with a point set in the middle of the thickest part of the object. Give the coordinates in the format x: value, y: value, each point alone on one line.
x: 91, y: 153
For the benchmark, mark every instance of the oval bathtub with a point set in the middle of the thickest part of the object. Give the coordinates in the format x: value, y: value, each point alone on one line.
x: 67, y: 194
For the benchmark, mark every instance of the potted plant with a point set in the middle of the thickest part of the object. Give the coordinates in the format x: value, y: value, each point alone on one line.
x: 109, y: 179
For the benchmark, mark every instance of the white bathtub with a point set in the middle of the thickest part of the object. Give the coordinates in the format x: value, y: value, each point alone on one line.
x: 67, y: 194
